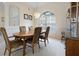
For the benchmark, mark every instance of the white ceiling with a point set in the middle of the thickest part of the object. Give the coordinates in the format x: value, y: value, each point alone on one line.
x: 36, y: 4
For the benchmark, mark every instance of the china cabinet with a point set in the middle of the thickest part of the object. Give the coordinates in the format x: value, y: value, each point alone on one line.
x: 72, y: 43
x: 73, y: 18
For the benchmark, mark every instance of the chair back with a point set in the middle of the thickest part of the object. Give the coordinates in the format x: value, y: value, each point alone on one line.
x: 22, y: 29
x: 31, y: 28
x: 47, y: 32
x: 4, y: 33
x: 37, y: 33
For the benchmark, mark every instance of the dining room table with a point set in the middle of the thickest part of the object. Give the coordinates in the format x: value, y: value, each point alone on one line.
x: 24, y: 36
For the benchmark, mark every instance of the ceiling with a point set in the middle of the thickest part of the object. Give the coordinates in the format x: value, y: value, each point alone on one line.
x: 37, y: 4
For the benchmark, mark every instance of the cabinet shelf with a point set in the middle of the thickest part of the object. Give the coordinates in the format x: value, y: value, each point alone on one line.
x: 73, y: 22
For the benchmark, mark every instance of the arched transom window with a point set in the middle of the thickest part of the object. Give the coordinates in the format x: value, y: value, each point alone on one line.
x: 48, y: 19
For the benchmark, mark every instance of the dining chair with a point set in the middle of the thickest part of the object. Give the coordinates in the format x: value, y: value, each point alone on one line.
x: 35, y: 39
x: 44, y: 35
x: 31, y: 28
x: 22, y: 29
x: 10, y: 44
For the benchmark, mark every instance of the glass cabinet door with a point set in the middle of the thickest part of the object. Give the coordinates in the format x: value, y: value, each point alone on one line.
x: 78, y: 22
x: 74, y: 29
x: 73, y: 12
x: 73, y: 22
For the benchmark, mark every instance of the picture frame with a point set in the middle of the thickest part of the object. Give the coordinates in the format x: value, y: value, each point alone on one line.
x: 25, y: 16
x: 30, y: 17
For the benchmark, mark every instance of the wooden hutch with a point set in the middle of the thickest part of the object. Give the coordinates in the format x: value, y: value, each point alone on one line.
x: 72, y: 43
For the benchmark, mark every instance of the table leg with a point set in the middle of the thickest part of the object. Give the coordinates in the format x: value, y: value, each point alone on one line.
x: 24, y: 47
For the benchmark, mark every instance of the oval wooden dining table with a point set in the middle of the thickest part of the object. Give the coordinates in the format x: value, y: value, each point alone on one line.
x: 24, y: 36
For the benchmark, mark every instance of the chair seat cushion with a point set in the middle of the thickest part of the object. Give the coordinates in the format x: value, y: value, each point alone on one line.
x: 42, y: 36
x: 16, y: 43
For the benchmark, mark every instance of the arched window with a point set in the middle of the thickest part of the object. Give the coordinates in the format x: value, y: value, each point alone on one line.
x: 48, y: 19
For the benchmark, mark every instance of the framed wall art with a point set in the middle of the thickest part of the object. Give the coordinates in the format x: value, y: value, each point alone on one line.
x: 30, y: 17
x: 25, y: 16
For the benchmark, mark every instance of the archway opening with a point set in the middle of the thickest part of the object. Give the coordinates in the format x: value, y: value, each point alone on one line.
x: 47, y: 18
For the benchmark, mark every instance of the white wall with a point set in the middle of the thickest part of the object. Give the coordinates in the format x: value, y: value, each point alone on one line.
x: 23, y: 9
x: 1, y: 13
x: 60, y: 10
